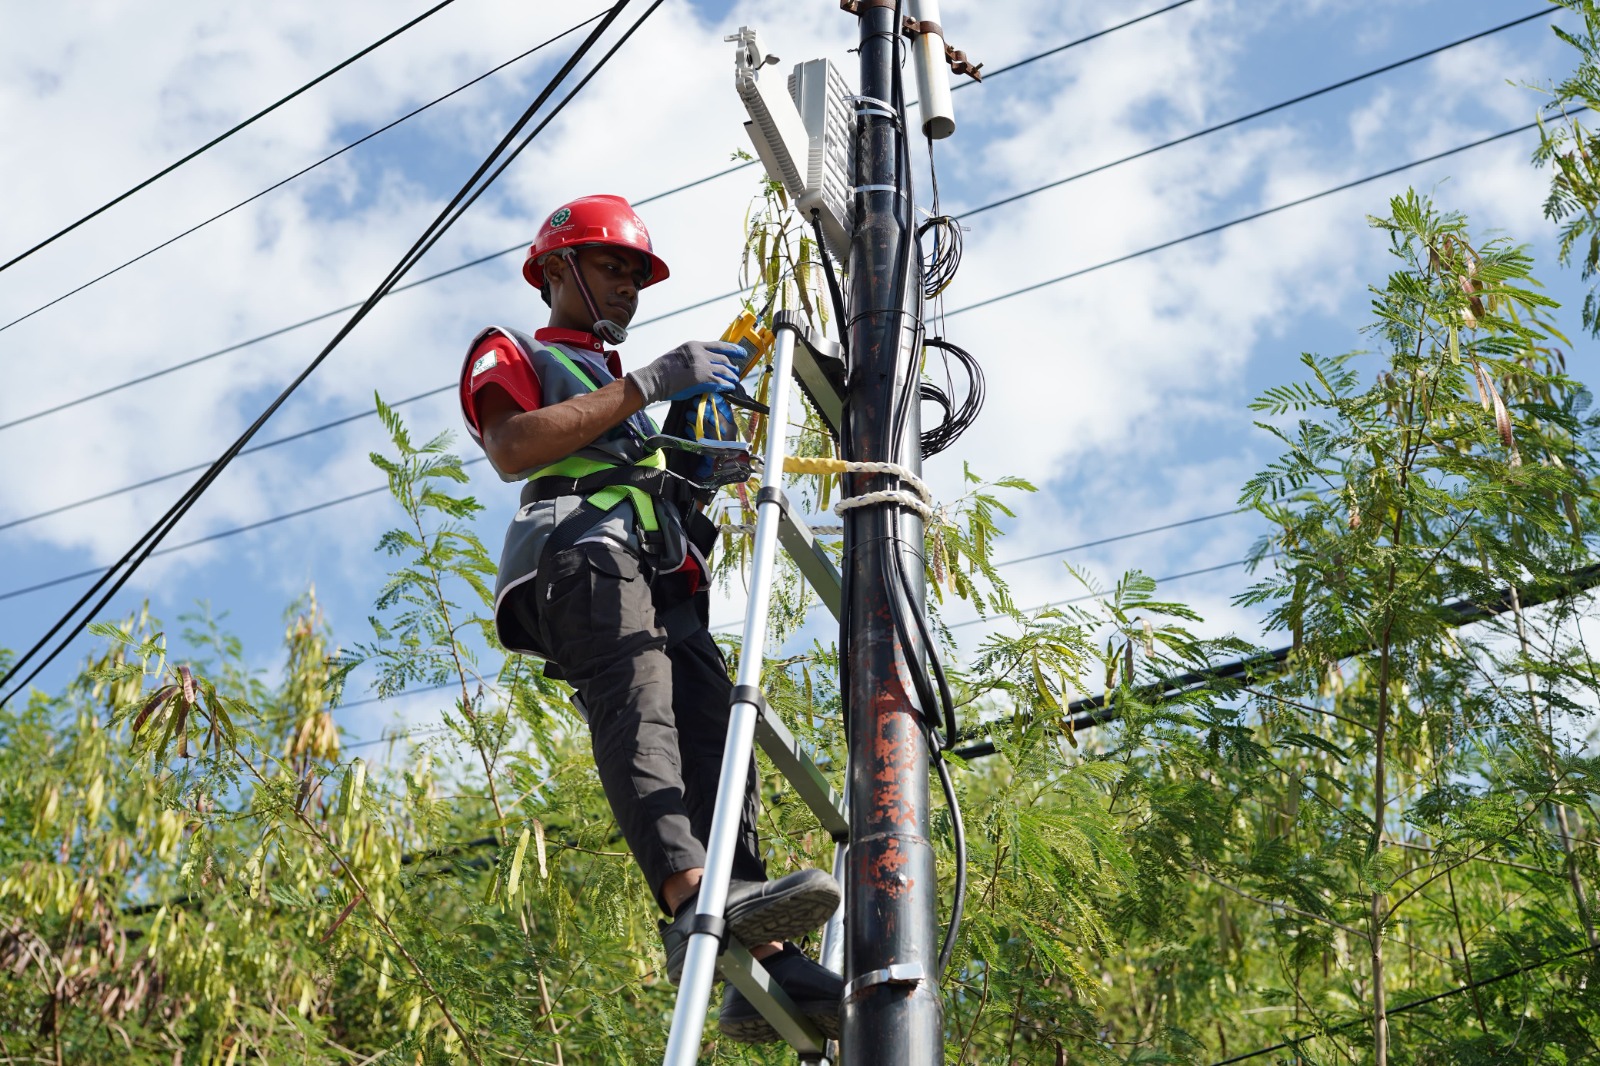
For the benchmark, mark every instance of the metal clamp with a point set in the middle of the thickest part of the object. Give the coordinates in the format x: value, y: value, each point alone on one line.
x: 750, y: 694
x: 713, y: 925
x: 901, y: 973
x: 875, y: 106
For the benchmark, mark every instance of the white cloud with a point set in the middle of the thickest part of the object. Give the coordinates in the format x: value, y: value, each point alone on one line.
x: 1120, y: 392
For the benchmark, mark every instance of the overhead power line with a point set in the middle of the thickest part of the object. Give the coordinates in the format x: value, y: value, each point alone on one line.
x: 1092, y: 711
x: 413, y: 113
x: 520, y: 245
x: 1087, y: 596
x: 169, y: 168
x: 1208, y: 231
x: 1414, y: 1004
x: 501, y: 157
x: 274, y: 443
x: 990, y: 75
x: 1253, y: 216
x: 1281, y: 105
x: 326, y: 504
x: 995, y: 299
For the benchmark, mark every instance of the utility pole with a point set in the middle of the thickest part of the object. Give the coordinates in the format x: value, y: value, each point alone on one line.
x: 893, y: 1012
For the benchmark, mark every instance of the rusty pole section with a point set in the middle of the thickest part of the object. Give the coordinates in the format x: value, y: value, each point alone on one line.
x: 893, y: 1013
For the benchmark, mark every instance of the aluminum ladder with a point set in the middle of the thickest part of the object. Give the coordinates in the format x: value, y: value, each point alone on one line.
x: 813, y: 362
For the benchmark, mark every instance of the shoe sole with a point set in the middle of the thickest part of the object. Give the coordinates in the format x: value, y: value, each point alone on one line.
x: 757, y: 1030
x: 802, y: 911
x: 784, y: 917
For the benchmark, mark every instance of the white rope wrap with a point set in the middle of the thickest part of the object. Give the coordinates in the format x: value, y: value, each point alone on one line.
x: 910, y: 480
x: 918, y: 500
x: 897, y: 497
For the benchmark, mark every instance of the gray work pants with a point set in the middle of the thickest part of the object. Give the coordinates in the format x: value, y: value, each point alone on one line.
x: 658, y: 715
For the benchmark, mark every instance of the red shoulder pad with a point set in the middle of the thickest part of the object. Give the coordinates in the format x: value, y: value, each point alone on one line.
x: 496, y: 359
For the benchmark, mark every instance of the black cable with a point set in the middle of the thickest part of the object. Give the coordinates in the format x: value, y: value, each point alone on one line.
x: 1261, y: 112
x: 1414, y: 1004
x: 957, y: 420
x: 158, y: 175
x: 1253, y: 216
x: 944, y: 261
x: 990, y: 75
x: 1004, y: 296
x: 486, y: 173
x: 958, y: 831
x: 834, y: 292
x: 275, y: 442
x: 303, y: 171
x: 518, y: 247
x: 219, y: 535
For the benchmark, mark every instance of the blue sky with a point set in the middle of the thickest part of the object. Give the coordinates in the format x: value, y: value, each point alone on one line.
x: 1121, y: 394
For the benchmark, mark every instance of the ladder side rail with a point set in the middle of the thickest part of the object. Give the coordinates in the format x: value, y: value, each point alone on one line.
x: 833, y: 932
x: 700, y: 962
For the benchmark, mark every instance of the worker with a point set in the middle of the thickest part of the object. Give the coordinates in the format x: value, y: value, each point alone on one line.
x: 604, y: 575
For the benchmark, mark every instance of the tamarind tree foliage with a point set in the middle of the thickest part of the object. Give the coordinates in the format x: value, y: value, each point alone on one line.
x: 1379, y: 846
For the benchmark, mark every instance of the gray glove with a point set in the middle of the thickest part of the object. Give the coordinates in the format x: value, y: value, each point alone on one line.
x: 691, y: 369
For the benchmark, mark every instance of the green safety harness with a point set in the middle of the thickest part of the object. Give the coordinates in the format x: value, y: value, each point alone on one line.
x: 604, y: 484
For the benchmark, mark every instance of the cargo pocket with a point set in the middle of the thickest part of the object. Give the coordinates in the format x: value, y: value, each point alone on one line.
x: 592, y: 599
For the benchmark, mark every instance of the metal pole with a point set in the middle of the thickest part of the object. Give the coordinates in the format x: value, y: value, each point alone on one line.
x: 892, y: 1013
x: 700, y: 963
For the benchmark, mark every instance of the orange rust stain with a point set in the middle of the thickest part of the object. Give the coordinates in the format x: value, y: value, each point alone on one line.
x: 885, y: 871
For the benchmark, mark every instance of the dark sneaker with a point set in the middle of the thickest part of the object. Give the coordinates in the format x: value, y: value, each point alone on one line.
x: 815, y: 989
x: 758, y: 912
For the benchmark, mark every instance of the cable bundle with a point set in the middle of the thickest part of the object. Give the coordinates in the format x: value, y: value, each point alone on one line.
x: 956, y: 421
x: 939, y: 266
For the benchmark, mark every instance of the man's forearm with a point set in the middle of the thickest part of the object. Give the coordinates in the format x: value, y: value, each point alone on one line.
x: 531, y: 439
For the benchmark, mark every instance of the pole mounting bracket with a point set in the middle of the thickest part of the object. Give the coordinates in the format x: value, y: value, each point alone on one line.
x: 959, y: 63
x: 901, y: 973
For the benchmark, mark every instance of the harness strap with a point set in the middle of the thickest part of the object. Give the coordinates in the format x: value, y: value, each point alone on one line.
x: 574, y: 468
x: 657, y: 482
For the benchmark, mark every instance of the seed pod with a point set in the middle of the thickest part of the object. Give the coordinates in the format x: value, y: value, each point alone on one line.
x: 514, y: 880
x: 1502, y: 417
x: 1483, y: 384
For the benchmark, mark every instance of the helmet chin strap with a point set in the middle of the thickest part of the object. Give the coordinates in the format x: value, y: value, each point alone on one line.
x: 603, y: 328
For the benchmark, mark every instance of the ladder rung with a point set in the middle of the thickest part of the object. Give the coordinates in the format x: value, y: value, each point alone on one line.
x: 820, y: 370
x: 797, y: 766
x: 814, y: 564
x: 750, y: 977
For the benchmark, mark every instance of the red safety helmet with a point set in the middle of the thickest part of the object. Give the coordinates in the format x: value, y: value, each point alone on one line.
x: 604, y: 220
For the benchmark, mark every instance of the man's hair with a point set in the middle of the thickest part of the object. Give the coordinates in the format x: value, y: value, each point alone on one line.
x: 544, y: 293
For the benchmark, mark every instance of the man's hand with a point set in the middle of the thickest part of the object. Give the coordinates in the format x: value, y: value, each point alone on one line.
x: 691, y: 369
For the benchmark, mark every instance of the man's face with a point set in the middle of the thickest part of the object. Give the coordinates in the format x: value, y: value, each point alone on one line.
x: 614, y: 276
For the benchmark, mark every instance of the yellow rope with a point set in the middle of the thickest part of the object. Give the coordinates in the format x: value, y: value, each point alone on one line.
x: 795, y: 464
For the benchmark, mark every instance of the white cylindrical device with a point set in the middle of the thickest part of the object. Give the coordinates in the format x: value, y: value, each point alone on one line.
x: 933, y: 73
